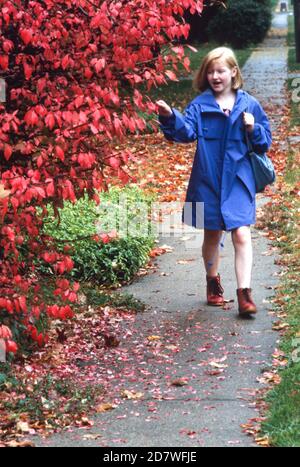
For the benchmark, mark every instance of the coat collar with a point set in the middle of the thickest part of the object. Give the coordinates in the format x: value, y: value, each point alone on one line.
x: 208, y: 103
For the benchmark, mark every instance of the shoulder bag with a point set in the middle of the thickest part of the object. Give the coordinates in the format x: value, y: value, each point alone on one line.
x: 262, y: 167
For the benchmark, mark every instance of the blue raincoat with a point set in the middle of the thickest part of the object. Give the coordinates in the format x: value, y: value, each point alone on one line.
x: 221, y: 175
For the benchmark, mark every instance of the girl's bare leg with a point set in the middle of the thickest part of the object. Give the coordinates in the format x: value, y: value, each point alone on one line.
x: 210, y: 251
x: 242, y: 243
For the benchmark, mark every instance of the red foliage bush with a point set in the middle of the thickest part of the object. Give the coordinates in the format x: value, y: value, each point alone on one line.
x: 73, y: 71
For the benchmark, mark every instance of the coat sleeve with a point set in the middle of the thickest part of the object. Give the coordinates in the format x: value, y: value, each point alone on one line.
x: 261, y: 137
x: 180, y: 128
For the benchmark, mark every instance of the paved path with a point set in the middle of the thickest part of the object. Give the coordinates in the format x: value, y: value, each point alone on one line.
x: 265, y: 72
x: 219, y: 356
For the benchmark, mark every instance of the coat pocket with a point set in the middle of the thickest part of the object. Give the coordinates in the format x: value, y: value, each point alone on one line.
x: 212, y: 125
x: 248, y: 183
x: 213, y: 131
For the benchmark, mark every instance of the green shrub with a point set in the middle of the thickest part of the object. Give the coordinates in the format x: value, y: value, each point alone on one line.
x: 242, y: 23
x: 106, y: 263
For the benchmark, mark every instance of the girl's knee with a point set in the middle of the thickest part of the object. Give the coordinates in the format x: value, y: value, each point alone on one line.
x: 241, y: 235
x: 212, y: 236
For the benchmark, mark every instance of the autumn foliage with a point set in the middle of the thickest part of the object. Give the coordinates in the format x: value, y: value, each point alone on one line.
x: 75, y: 74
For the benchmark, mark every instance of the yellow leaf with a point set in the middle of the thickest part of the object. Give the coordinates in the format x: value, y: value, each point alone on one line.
x: 278, y: 326
x: 92, y: 436
x: 153, y: 338
x: 131, y: 394
x: 104, y: 407
x: 264, y: 441
x: 20, y: 444
x: 86, y: 421
x: 23, y: 427
x: 218, y: 365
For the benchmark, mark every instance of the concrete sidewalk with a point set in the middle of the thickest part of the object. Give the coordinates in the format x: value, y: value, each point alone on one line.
x: 198, y: 375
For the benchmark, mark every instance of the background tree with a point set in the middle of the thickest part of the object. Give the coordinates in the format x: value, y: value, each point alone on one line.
x: 199, y: 22
x: 241, y: 23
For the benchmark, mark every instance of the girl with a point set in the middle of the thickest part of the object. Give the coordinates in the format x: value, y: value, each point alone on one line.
x: 222, y: 118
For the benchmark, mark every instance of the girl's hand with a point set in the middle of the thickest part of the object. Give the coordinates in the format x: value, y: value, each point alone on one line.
x: 164, y: 109
x: 248, y: 121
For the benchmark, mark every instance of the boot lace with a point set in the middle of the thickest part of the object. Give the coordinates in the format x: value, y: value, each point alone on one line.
x: 215, y: 287
x: 247, y: 295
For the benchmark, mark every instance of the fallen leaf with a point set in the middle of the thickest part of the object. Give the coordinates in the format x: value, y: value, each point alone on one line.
x: 214, y: 372
x: 86, y: 421
x: 153, y: 338
x: 218, y: 365
x: 111, y: 341
x: 167, y: 248
x: 23, y: 427
x: 105, y: 407
x: 92, y: 436
x: 132, y: 395
x: 263, y: 441
x: 187, y: 432
x: 20, y: 444
x: 227, y: 306
x: 184, y: 261
x: 278, y: 326
x: 171, y: 347
x: 179, y: 382
x: 269, y: 377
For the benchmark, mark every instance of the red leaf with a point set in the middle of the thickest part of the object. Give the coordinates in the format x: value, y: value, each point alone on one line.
x: 171, y: 75
x: 5, y: 332
x: 114, y: 162
x: 105, y: 238
x: 28, y: 70
x: 7, y: 45
x: 26, y: 35
x: 186, y: 63
x: 65, y: 62
x: 50, y: 189
x: 123, y: 176
x: 4, y: 62
x: 60, y: 153
x: 96, y: 21
x: 40, y: 340
x: 40, y: 191
x: 31, y: 118
x: 22, y: 302
x: 88, y: 73
x: 50, y: 121
x: 11, y: 346
x: 7, y: 151
x: 100, y: 64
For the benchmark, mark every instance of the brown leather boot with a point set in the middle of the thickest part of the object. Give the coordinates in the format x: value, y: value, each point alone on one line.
x: 214, y: 291
x: 246, y: 305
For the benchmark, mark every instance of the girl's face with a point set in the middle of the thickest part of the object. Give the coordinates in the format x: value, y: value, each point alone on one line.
x: 219, y: 76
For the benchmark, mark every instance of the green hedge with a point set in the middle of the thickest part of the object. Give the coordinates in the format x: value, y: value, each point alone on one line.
x: 105, y: 263
x: 242, y: 23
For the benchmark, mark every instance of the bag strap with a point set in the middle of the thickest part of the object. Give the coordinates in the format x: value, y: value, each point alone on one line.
x: 249, y: 145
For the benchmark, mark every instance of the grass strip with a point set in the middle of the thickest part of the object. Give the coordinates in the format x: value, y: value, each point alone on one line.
x: 282, y: 424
